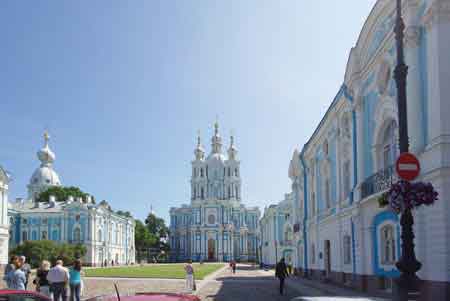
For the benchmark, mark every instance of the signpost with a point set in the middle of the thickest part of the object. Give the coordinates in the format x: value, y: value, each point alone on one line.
x: 407, y: 166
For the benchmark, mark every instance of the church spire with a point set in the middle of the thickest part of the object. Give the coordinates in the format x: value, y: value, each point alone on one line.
x: 216, y: 141
x: 199, y: 151
x: 232, y: 151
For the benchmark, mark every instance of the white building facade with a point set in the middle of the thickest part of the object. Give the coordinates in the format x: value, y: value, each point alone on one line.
x: 216, y: 226
x: 108, y: 236
x: 4, y: 233
x: 341, y: 232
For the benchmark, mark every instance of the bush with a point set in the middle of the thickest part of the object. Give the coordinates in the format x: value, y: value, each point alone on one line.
x: 38, y: 250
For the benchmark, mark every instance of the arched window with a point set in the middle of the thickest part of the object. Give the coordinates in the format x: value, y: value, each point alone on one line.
x: 77, y: 235
x: 201, y: 172
x: 389, y: 146
x: 211, y: 219
x: 24, y: 236
x: 288, y: 234
x: 327, y: 194
x: 346, y: 178
x: 44, y: 235
x: 325, y: 147
x: 313, y: 254
x: 55, y: 235
x: 313, y: 204
x: 347, y: 249
x: 387, y: 245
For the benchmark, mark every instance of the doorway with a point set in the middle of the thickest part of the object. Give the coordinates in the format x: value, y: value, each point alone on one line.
x: 327, y: 258
x: 211, y: 249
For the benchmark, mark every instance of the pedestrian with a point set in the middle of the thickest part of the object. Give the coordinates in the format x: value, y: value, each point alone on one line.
x: 58, y: 276
x: 75, y: 280
x: 16, y: 276
x: 190, y: 282
x: 41, y: 281
x: 281, y: 272
x: 8, y: 268
x: 234, y: 267
x: 289, y: 265
x: 231, y: 266
x: 26, y: 268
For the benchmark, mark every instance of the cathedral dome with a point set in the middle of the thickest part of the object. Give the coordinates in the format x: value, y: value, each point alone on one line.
x: 44, y: 176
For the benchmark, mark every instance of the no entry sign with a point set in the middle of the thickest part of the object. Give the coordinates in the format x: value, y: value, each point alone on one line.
x: 407, y: 166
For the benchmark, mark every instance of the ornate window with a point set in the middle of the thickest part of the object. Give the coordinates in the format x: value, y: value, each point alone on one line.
x: 77, y: 235
x: 389, y: 146
x: 288, y: 236
x: 387, y: 245
x: 347, y: 249
x: 211, y: 219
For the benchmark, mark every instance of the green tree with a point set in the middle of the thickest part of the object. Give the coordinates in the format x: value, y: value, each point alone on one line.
x: 37, y: 250
x: 156, y: 226
x: 124, y: 213
x: 62, y: 194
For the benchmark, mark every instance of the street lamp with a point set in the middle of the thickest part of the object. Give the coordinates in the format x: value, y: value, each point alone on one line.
x: 408, y: 265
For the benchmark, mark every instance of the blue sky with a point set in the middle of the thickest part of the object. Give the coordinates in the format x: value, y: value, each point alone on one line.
x: 123, y: 87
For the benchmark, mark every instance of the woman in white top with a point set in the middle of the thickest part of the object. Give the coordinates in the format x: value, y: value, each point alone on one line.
x: 190, y: 284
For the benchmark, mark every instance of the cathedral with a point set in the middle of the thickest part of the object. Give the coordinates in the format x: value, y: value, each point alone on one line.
x: 216, y: 226
x: 107, y: 235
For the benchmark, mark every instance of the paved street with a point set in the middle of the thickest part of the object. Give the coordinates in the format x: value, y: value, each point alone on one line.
x: 249, y: 283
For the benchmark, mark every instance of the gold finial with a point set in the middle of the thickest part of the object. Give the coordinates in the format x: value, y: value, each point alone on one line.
x: 46, y: 136
x: 198, y: 138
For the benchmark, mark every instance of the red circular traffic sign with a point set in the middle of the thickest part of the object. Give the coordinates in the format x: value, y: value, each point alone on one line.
x: 407, y: 166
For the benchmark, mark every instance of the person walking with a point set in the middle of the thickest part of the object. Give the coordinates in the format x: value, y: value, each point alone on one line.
x: 75, y: 280
x: 58, y: 276
x: 9, y: 268
x: 234, y: 266
x: 17, y: 277
x: 26, y: 268
x: 281, y: 272
x: 41, y: 281
x: 190, y: 282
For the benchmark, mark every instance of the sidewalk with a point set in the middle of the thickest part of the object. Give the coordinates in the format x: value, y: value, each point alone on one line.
x: 305, y: 286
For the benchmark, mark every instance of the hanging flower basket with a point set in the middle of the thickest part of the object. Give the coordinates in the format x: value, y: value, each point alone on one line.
x: 406, y: 195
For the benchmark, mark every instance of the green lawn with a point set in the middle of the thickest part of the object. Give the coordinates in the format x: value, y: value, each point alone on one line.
x: 168, y: 271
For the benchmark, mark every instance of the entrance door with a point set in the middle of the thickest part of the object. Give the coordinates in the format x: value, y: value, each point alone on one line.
x: 211, y: 248
x: 327, y: 258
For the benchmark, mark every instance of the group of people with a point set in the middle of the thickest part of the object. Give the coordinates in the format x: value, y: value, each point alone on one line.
x: 52, y: 282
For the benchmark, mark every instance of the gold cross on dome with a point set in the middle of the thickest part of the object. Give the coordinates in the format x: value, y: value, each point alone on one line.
x: 46, y: 136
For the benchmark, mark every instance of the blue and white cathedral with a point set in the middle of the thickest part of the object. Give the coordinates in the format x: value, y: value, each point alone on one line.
x: 216, y: 226
x: 107, y: 235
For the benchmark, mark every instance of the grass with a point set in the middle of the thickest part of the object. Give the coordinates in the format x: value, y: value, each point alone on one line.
x: 167, y: 271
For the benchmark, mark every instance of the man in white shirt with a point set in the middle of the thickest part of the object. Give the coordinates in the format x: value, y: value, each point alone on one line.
x: 58, y: 276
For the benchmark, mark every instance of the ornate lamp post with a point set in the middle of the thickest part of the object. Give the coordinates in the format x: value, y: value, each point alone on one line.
x: 408, y: 265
